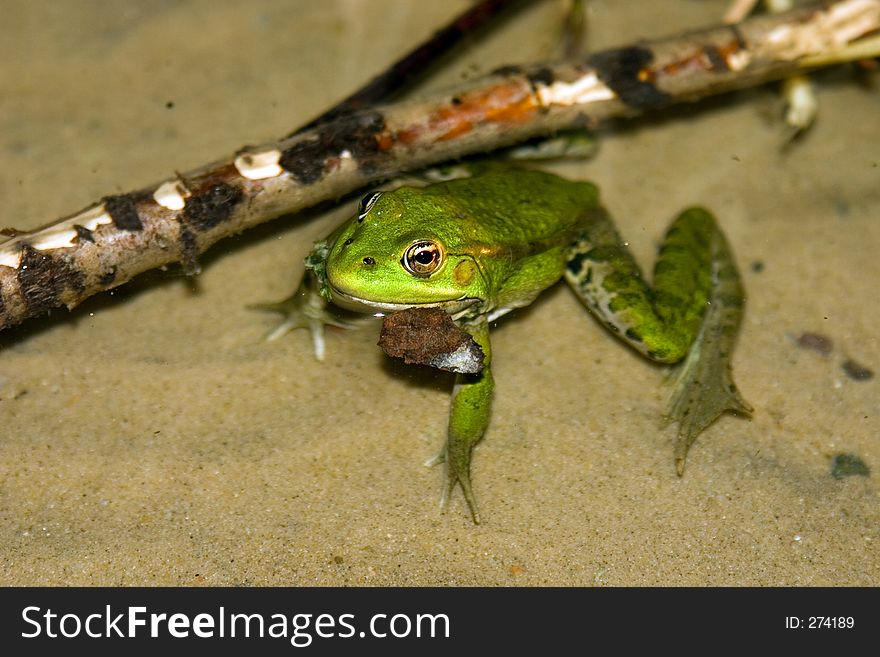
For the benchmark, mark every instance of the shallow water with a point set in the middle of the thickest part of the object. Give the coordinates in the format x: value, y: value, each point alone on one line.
x: 151, y: 437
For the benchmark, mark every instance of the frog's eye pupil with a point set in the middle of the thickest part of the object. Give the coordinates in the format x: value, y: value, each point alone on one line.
x: 423, y: 258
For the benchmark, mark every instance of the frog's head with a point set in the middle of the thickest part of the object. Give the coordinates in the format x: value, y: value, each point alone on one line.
x: 403, y: 250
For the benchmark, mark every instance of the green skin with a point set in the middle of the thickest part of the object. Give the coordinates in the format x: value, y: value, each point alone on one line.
x: 480, y: 246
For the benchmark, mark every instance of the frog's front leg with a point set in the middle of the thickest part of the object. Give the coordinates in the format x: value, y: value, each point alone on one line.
x: 305, y: 308
x: 468, y: 418
x: 308, y: 306
x: 693, y: 311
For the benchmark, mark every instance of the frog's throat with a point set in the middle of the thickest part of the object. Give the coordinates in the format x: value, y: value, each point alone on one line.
x: 454, y: 307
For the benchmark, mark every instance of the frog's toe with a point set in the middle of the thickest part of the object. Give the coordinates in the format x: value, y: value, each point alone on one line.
x: 290, y: 323
x: 469, y: 497
x: 295, y: 309
x: 461, y: 477
x: 295, y: 317
x: 437, y: 459
x: 465, y: 483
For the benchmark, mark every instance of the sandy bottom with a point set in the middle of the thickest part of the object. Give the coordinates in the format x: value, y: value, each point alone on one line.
x: 151, y: 437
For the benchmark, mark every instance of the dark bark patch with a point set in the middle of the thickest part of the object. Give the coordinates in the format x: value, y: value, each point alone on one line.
x: 83, y: 234
x: 541, y: 75
x: 510, y: 69
x: 43, y: 279
x: 123, y: 211
x: 716, y: 59
x: 626, y: 71
x: 307, y: 159
x: 211, y: 207
x: 106, y: 279
x: 189, y: 251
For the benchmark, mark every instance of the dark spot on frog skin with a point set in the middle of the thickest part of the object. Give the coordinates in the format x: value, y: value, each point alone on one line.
x: 633, y: 335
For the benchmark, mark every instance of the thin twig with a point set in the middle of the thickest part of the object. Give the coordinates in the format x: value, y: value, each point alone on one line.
x: 574, y: 29
x: 121, y: 236
x: 415, y: 63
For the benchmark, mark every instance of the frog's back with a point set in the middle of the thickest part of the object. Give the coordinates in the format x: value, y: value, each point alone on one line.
x: 518, y: 208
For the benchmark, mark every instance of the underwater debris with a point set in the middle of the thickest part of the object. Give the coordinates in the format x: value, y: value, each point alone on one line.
x: 848, y: 465
x: 428, y: 336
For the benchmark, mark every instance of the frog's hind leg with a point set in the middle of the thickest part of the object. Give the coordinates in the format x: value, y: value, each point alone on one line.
x: 692, y: 313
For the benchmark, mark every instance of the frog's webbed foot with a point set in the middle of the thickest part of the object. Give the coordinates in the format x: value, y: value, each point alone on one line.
x: 576, y: 144
x: 704, y: 389
x: 704, y: 386
x: 305, y: 308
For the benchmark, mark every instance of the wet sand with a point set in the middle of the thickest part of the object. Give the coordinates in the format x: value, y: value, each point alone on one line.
x: 151, y: 437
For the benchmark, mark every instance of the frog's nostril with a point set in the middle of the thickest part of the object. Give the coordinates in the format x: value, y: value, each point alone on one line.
x: 369, y: 261
x: 347, y: 242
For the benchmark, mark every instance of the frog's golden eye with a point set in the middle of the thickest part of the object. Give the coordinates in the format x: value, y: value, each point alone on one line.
x: 422, y: 258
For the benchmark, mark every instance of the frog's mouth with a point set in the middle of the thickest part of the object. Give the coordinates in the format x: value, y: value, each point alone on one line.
x: 454, y: 307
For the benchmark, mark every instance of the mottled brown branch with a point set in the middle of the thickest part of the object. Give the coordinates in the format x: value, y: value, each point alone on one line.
x: 121, y: 236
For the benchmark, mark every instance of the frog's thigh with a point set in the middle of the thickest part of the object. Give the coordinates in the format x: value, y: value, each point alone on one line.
x: 660, y: 323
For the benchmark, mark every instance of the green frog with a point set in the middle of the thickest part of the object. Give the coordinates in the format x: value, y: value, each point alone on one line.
x: 480, y: 246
